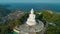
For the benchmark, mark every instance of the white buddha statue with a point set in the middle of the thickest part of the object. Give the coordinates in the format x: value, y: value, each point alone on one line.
x: 31, y: 20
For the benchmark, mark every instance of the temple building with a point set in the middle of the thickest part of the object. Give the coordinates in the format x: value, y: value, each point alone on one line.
x: 30, y: 26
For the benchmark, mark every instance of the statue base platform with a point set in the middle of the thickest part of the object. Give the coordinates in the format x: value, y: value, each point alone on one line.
x: 27, y: 29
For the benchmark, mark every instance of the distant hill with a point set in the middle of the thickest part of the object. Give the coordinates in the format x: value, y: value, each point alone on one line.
x: 4, y: 10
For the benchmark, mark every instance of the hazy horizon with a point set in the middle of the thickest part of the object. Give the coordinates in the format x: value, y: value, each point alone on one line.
x: 29, y: 1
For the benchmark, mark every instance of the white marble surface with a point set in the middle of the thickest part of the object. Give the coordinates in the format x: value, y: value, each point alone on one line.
x: 31, y: 20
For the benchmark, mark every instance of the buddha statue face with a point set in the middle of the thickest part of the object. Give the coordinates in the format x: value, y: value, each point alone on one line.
x: 32, y: 11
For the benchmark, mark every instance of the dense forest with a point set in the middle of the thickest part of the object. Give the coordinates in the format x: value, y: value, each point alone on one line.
x: 54, y: 19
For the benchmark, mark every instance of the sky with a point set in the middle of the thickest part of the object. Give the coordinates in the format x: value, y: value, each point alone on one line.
x: 29, y: 1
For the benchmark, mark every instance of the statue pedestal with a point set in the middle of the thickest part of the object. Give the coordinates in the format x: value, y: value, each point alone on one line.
x: 30, y: 29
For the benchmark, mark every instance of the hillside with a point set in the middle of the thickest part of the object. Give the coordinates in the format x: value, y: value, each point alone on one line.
x: 53, y: 20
